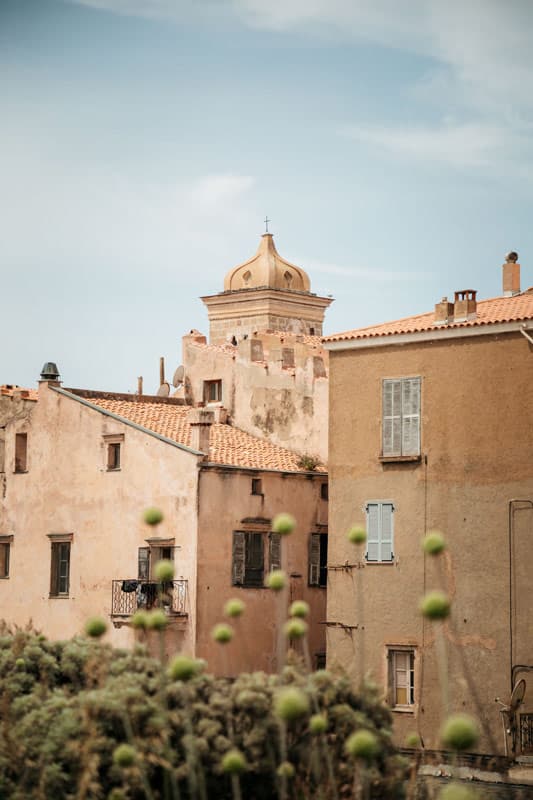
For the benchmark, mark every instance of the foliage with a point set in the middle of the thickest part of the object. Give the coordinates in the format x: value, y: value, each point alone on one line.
x: 79, y: 719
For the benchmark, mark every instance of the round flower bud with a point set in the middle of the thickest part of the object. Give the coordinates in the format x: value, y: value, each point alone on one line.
x: 291, y: 703
x: 233, y: 762
x: 124, y: 755
x: 164, y: 570
x: 412, y: 740
x: 286, y: 770
x: 295, y: 628
x: 283, y: 524
x: 454, y: 791
x: 234, y: 607
x: 459, y: 732
x: 299, y: 609
x: 362, y: 744
x: 318, y: 724
x: 435, y: 605
x: 222, y: 633
x: 276, y: 580
x: 95, y: 627
x: 433, y: 543
x: 116, y: 794
x: 140, y: 620
x: 356, y: 534
x: 157, y: 620
x: 20, y: 663
x: 153, y: 516
x: 183, y: 668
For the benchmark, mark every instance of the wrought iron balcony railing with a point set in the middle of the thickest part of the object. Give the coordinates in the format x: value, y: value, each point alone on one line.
x: 129, y: 595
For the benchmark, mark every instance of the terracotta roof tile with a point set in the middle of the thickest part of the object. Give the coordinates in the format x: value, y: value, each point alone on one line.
x: 9, y: 390
x: 227, y: 445
x: 489, y: 312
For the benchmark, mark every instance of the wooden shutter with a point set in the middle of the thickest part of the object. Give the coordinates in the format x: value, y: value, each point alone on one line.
x: 314, y: 559
x: 392, y: 417
x: 274, y: 551
x: 386, y: 532
x: 143, y: 564
x: 237, y: 562
x: 372, y: 532
x: 254, y: 559
x: 410, y: 416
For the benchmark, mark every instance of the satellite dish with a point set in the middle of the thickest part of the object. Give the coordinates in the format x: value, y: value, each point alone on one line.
x: 517, y: 695
x: 164, y: 390
x: 178, y: 376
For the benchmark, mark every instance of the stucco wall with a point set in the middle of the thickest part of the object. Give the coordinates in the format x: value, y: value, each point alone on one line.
x: 68, y: 489
x: 225, y: 501
x: 477, y: 447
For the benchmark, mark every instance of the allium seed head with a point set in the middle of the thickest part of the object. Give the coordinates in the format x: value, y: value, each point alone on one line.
x: 295, y: 628
x: 164, y: 570
x: 459, y: 732
x: 434, y: 543
x: 318, y: 723
x: 362, y: 744
x: 234, y: 607
x: 276, y: 580
x: 124, y: 755
x: 20, y: 663
x: 283, y: 524
x: 95, y: 627
x: 291, y: 703
x: 435, y: 605
x: 233, y: 762
x: 153, y: 516
x: 222, y: 633
x: 299, y: 609
x: 183, y: 668
x: 454, y: 791
x: 140, y: 620
x: 157, y: 620
x: 286, y: 770
x: 356, y: 534
x: 412, y: 740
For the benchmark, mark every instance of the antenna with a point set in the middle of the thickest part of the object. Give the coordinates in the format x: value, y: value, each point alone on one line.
x: 517, y: 695
x: 179, y: 375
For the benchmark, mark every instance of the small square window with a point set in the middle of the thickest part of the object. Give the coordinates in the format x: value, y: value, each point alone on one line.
x: 401, y: 664
x: 324, y: 491
x: 4, y: 559
x: 113, y: 455
x: 21, y: 452
x: 257, y: 486
x: 213, y: 391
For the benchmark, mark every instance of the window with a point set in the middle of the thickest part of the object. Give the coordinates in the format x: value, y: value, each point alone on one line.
x: 212, y: 391
x: 324, y: 491
x: 60, y: 573
x: 113, y: 456
x: 318, y: 559
x: 4, y: 559
x: 257, y: 486
x: 379, y: 530
x: 402, y: 677
x: 401, y: 417
x: 147, y: 558
x: 21, y: 452
x: 248, y: 562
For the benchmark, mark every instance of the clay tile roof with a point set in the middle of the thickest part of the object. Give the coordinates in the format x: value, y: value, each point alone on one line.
x: 227, y: 445
x: 9, y: 390
x: 489, y: 312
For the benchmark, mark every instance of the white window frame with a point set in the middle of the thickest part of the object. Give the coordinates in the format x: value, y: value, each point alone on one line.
x: 396, y: 654
x: 400, y: 418
x: 379, y: 540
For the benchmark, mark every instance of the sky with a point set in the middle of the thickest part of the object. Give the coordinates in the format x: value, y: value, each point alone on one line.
x: 143, y: 142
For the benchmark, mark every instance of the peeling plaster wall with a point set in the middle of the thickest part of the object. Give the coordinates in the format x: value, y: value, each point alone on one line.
x: 68, y: 489
x: 477, y: 436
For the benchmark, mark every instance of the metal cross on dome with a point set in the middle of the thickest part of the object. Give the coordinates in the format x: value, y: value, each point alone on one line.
x: 267, y: 220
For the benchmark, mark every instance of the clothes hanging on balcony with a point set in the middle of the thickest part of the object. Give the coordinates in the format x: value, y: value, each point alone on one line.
x: 129, y: 586
x: 149, y: 594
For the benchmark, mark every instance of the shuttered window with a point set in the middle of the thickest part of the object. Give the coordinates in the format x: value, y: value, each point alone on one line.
x: 247, y: 559
x: 274, y: 551
x: 318, y: 559
x: 380, y: 533
x: 401, y: 417
x: 143, y: 564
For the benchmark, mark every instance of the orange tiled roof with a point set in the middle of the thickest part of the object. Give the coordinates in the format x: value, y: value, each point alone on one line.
x: 9, y: 389
x: 227, y: 445
x: 489, y: 312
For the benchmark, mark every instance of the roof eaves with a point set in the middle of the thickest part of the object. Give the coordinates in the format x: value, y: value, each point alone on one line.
x: 126, y: 421
x: 243, y: 468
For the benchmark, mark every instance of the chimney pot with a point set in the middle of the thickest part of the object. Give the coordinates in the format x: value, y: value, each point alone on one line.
x: 443, y: 312
x: 511, y: 275
x: 50, y: 372
x: 465, y: 305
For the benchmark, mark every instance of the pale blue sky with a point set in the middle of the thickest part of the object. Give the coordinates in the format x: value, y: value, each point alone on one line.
x: 143, y: 141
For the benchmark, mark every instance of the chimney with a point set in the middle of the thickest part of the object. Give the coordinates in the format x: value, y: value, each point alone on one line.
x: 200, y: 421
x: 465, y: 305
x: 511, y: 275
x: 50, y: 373
x: 443, y: 312
x: 140, y: 385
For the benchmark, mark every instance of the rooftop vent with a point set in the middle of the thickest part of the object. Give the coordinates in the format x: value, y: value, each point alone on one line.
x: 50, y: 372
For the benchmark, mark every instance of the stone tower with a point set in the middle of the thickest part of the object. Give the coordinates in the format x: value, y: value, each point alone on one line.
x: 266, y: 293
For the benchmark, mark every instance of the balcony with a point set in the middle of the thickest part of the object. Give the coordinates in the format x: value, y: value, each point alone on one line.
x: 130, y: 595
